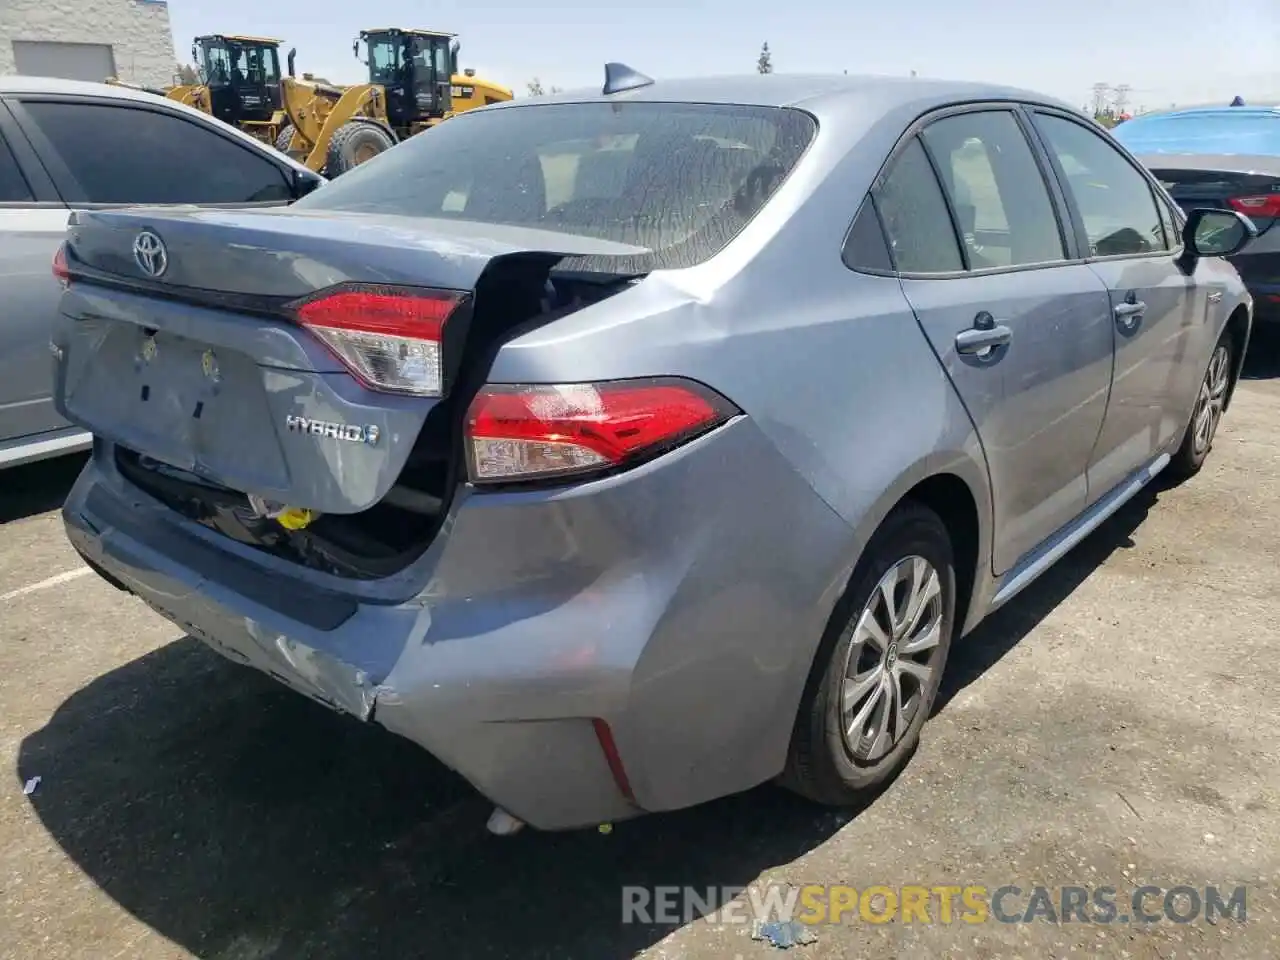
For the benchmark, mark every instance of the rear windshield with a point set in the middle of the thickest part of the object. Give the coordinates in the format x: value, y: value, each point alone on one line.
x: 1205, y: 133
x: 680, y: 180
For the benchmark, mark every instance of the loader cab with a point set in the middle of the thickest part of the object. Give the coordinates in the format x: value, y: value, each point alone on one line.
x: 242, y: 74
x: 415, y: 68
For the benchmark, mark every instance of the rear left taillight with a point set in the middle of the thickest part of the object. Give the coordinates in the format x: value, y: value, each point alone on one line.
x: 390, y: 338
x: 1262, y: 205
x: 61, y: 272
x: 542, y: 431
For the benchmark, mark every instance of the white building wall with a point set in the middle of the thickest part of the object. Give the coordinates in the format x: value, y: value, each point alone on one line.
x: 138, y: 31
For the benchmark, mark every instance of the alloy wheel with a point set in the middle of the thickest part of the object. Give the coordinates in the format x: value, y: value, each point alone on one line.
x: 892, y: 659
x: 1210, y: 401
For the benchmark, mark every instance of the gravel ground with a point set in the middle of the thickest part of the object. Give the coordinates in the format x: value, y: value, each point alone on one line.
x: 1114, y: 726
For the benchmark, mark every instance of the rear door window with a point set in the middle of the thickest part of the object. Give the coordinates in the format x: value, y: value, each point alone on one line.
x: 13, y: 185
x: 921, y: 236
x: 679, y: 180
x: 1113, y: 197
x: 996, y: 189
x: 117, y: 154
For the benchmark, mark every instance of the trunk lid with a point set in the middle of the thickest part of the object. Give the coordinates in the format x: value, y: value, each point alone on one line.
x: 281, y: 254
x: 1211, y: 181
x: 174, y: 340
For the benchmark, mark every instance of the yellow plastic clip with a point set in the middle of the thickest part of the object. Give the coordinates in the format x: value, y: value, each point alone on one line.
x: 295, y: 518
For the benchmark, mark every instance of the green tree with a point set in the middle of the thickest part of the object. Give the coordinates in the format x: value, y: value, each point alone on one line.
x: 187, y: 74
x: 535, y: 87
x: 764, y: 64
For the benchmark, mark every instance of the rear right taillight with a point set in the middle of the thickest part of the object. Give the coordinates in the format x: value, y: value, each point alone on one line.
x: 546, y: 431
x: 1262, y: 205
x: 390, y: 338
x: 61, y: 272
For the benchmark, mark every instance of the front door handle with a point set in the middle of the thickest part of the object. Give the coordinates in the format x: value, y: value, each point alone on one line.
x: 983, y: 337
x: 1130, y: 308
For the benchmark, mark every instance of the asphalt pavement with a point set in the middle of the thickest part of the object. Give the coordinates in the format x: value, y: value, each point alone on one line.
x: 1116, y: 725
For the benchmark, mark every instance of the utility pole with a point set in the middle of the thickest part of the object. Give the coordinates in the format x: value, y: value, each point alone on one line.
x: 1100, y: 94
x: 1121, y: 97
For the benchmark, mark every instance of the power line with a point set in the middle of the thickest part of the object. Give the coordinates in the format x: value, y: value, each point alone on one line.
x: 1121, y: 97
x: 1101, y: 92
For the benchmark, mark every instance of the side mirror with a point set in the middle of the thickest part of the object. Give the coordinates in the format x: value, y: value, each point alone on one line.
x: 293, y: 53
x: 1211, y: 232
x: 304, y: 182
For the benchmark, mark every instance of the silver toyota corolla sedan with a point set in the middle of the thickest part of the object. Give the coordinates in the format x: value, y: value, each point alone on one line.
x: 630, y: 448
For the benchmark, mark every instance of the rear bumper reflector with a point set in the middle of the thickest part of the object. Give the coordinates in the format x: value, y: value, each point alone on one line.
x: 613, y: 758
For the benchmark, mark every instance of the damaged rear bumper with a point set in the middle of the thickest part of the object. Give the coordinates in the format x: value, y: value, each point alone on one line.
x: 685, y: 622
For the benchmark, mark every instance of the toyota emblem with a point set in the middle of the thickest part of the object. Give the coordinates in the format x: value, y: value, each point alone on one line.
x: 150, y: 255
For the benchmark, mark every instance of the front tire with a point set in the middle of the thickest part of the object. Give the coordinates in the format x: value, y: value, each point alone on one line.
x: 879, y: 666
x: 354, y: 143
x: 1206, y: 415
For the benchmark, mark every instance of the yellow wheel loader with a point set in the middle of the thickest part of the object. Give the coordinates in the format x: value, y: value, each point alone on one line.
x: 328, y: 128
x: 413, y: 84
x: 239, y: 83
x: 419, y: 71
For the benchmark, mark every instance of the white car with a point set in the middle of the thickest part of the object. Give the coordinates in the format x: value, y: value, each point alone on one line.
x: 67, y: 145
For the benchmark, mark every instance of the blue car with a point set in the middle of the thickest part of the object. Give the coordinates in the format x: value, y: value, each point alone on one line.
x: 1226, y: 157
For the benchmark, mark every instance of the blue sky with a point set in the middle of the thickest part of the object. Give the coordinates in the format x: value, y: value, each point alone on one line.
x: 1162, y: 50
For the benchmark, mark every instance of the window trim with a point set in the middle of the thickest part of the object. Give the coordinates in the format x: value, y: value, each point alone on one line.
x: 1176, y: 217
x: 1057, y: 193
x: 1057, y: 200
x: 966, y: 264
x: 60, y: 174
x: 874, y: 195
x: 1077, y: 219
x: 43, y: 192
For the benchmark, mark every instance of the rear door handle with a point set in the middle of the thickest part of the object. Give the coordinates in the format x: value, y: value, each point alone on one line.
x: 1130, y: 308
x: 983, y: 337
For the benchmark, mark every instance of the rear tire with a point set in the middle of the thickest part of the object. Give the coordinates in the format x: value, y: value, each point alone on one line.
x: 878, y: 669
x: 1206, y: 415
x: 284, y: 138
x: 354, y: 143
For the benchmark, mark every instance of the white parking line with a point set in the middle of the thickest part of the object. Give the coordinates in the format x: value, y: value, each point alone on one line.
x: 51, y: 582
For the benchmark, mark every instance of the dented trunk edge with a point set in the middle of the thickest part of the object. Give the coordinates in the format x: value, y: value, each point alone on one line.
x: 511, y: 297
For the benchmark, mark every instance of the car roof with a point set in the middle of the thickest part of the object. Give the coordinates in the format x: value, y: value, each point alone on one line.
x: 800, y: 90
x: 1269, y: 109
x: 15, y: 85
